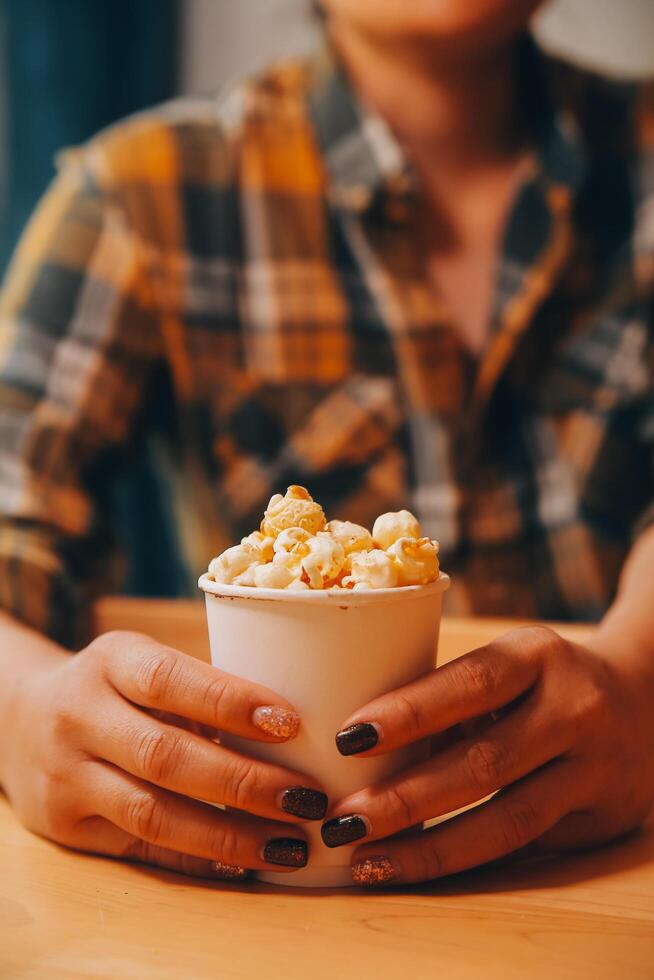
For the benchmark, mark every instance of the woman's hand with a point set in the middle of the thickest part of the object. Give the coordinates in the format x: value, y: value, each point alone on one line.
x: 102, y: 760
x: 566, y: 734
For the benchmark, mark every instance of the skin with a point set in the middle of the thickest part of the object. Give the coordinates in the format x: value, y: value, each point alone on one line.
x: 568, y: 745
x: 111, y: 750
x: 572, y: 769
x: 441, y: 23
x: 442, y: 76
x: 563, y: 733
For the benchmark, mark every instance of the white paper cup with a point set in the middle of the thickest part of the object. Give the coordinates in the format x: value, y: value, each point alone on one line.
x: 328, y: 653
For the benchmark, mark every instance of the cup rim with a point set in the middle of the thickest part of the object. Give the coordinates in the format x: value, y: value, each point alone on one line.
x: 338, y: 597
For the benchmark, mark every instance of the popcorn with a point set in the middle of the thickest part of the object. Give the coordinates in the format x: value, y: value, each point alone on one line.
x: 247, y: 577
x: 416, y: 560
x: 273, y: 576
x: 290, y: 548
x: 324, y: 560
x: 351, y: 536
x: 296, y: 549
x: 264, y: 544
x: 234, y: 562
x: 291, y: 562
x: 292, y: 541
x: 389, y: 527
x: 372, y: 570
x: 296, y: 509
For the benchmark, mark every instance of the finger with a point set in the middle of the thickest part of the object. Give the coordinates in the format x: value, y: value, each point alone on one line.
x: 98, y: 836
x: 191, y: 765
x: 189, y: 827
x: 479, y: 682
x: 458, y: 776
x: 467, y: 729
x: 155, y: 676
x: 207, y: 731
x: 583, y: 829
x: 143, y: 853
x: 504, y: 824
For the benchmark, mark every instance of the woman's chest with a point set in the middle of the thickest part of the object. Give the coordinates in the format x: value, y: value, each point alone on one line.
x: 337, y: 367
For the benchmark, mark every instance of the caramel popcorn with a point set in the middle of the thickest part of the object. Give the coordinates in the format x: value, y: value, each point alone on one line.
x: 416, y: 560
x: 296, y: 509
x: 296, y: 549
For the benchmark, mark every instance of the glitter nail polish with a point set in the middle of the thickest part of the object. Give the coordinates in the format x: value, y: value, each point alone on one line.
x: 307, y: 804
x: 375, y: 870
x: 289, y: 851
x: 357, y: 738
x: 229, y: 872
x: 343, y: 830
x: 275, y: 720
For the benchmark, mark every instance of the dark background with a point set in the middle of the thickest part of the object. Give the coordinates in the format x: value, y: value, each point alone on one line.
x: 71, y: 67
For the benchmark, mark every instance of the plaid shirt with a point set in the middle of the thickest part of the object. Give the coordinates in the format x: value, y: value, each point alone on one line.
x: 240, y: 276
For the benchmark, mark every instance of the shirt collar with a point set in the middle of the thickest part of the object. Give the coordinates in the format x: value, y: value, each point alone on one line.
x: 363, y: 158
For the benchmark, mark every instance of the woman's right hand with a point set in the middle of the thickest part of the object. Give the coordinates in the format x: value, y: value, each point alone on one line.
x: 101, y: 759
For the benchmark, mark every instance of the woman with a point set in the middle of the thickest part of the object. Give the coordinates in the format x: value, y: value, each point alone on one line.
x: 419, y: 271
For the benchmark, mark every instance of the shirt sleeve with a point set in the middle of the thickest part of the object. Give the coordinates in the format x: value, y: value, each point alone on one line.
x: 78, y: 340
x: 645, y: 519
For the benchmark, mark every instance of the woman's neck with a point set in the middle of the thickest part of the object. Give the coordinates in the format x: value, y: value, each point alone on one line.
x: 459, y: 112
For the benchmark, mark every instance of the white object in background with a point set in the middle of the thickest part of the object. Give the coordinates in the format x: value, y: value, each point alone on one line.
x: 328, y: 653
x: 228, y: 39
x: 612, y: 37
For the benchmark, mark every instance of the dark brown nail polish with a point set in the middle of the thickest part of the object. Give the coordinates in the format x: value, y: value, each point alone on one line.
x: 307, y: 804
x: 343, y: 830
x: 357, y: 738
x: 289, y: 851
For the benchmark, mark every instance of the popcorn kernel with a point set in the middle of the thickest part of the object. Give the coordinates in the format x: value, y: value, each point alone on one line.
x: 296, y: 549
x: 388, y: 528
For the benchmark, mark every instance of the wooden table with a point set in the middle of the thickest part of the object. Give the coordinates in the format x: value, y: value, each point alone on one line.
x: 67, y: 915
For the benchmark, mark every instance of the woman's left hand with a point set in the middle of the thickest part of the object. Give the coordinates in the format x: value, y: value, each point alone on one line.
x: 567, y: 736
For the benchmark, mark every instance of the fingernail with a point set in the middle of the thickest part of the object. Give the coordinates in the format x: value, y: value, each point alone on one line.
x: 308, y: 804
x: 289, y: 851
x: 229, y: 872
x: 343, y: 830
x: 374, y: 871
x: 357, y: 738
x: 275, y: 720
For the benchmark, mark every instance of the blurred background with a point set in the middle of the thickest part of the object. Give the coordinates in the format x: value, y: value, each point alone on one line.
x: 70, y: 67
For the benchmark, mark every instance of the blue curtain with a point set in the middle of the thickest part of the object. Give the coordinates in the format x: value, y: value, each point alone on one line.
x: 67, y: 69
